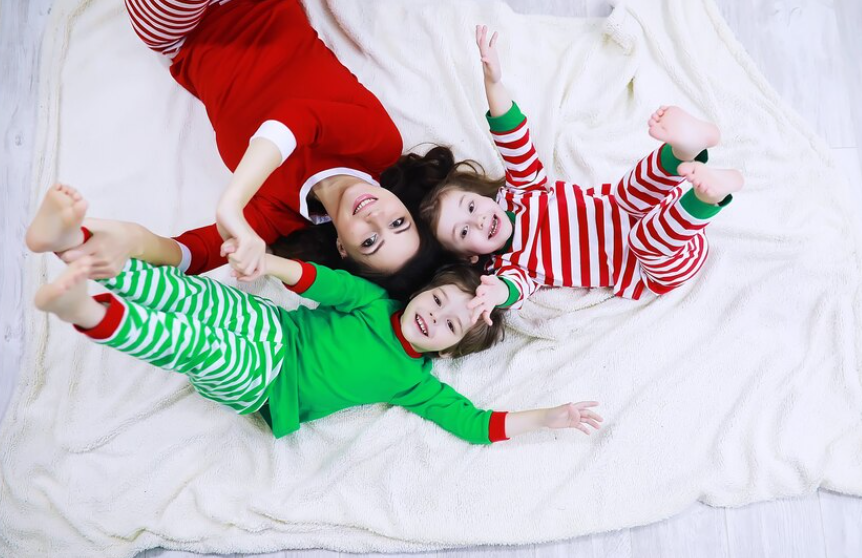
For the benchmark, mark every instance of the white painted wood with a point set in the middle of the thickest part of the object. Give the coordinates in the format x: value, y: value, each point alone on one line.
x: 810, y: 50
x: 842, y: 524
x: 795, y: 44
x: 21, y: 25
x: 848, y: 13
x: 789, y: 528
x: 700, y: 531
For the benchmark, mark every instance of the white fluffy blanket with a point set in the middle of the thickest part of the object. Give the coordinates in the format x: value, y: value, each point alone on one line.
x: 742, y: 386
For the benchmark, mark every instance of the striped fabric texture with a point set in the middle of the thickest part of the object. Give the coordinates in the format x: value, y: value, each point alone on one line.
x: 164, y: 24
x: 631, y: 236
x: 228, y: 343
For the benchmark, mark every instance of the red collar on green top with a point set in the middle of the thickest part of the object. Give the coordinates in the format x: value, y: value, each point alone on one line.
x: 396, y: 326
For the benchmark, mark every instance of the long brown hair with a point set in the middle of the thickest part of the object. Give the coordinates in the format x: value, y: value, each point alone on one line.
x: 411, y: 178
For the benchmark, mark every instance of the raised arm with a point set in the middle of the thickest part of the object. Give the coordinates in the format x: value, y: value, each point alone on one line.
x: 261, y: 158
x: 509, y: 127
x: 499, y: 99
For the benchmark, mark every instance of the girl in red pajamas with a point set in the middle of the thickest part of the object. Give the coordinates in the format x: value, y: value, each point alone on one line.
x: 293, y: 125
x: 646, y: 234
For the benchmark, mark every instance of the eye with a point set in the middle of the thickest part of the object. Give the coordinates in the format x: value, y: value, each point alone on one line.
x: 464, y: 232
x: 451, y: 326
x: 369, y: 242
x: 396, y: 223
x: 437, y: 300
x: 471, y: 207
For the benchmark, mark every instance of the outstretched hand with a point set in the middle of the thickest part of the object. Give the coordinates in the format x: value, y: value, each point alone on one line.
x: 488, y: 54
x: 491, y: 293
x: 243, y: 247
x: 574, y: 415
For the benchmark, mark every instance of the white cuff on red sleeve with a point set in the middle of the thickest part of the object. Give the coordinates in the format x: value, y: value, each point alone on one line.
x: 279, y: 134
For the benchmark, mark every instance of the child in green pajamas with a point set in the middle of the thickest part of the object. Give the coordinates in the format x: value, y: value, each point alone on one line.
x: 245, y: 352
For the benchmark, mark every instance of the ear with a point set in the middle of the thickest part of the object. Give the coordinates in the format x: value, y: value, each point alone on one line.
x: 444, y: 354
x: 473, y: 260
x: 340, y: 247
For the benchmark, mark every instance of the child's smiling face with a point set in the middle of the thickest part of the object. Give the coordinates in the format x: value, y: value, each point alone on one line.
x: 471, y: 224
x: 436, y: 319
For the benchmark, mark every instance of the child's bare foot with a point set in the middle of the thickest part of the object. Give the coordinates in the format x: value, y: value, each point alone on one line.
x: 686, y: 134
x: 57, y: 224
x: 711, y: 185
x: 67, y: 296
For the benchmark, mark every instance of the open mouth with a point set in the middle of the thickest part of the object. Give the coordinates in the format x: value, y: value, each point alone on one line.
x: 362, y: 202
x: 420, y: 323
x: 495, y: 224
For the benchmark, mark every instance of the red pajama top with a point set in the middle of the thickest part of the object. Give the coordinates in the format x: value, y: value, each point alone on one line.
x: 250, y: 62
x: 563, y: 235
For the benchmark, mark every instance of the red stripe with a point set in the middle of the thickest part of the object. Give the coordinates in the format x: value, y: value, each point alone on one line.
x: 603, y: 256
x: 666, y: 178
x: 524, y: 223
x: 565, y: 236
x: 533, y: 258
x: 583, y: 237
x: 618, y: 242
x: 516, y: 128
x: 628, y: 273
x: 547, y: 251
x: 110, y: 323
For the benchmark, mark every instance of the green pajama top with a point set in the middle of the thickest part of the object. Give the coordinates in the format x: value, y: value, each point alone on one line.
x: 350, y: 351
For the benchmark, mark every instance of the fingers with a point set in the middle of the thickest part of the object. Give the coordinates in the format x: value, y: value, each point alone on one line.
x: 487, y: 316
x: 493, y: 40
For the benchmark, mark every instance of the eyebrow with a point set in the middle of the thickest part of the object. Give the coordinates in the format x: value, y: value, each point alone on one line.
x: 382, y: 242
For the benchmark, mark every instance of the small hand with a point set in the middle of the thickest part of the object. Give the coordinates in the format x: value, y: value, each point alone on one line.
x: 246, y: 256
x: 573, y: 415
x: 491, y: 293
x: 488, y: 54
x: 246, y: 249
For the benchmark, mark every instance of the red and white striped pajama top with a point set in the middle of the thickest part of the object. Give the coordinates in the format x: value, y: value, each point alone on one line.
x: 634, y: 236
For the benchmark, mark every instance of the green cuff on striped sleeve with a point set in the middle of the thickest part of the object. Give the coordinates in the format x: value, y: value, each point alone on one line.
x: 513, y: 294
x: 506, y: 122
x: 670, y: 164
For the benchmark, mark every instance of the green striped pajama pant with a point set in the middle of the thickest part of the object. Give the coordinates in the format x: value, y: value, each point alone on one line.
x: 228, y: 343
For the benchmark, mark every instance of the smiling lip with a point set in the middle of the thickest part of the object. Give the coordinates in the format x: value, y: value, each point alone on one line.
x: 420, y: 323
x: 495, y: 221
x: 362, y: 202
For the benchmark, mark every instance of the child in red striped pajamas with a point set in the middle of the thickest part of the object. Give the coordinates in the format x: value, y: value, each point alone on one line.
x: 644, y: 234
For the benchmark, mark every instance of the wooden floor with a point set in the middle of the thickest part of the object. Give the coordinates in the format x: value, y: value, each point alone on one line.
x: 810, y: 50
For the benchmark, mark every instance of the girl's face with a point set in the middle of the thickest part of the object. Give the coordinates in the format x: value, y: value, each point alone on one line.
x: 436, y: 319
x: 374, y: 228
x: 471, y: 224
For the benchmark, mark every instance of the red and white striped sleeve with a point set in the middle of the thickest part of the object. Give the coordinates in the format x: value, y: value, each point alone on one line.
x: 521, y: 285
x: 511, y: 135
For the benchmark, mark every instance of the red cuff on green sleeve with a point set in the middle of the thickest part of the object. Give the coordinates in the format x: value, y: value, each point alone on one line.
x: 109, y: 324
x: 497, y: 426
x: 306, y: 280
